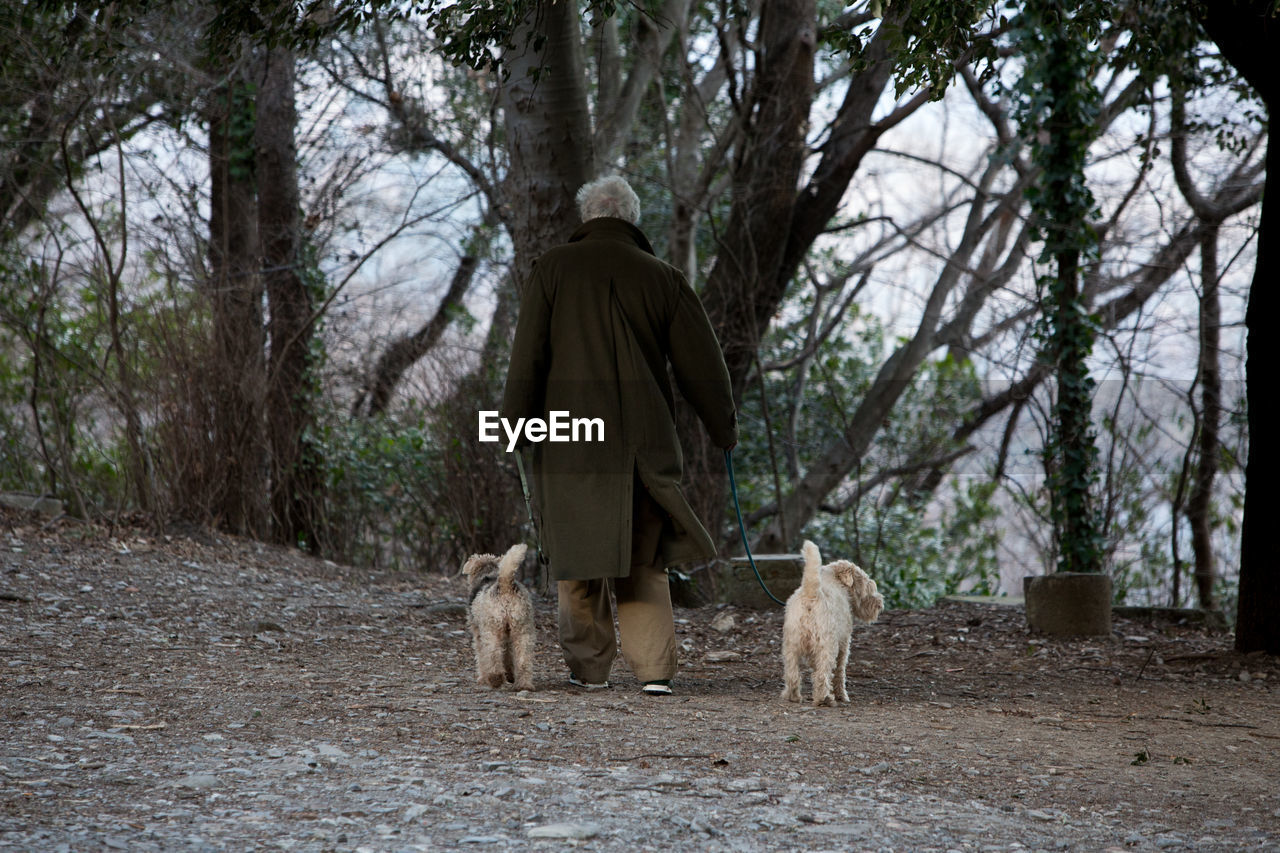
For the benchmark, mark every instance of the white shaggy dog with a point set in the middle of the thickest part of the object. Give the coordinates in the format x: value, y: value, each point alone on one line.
x: 819, y: 622
x: 501, y: 619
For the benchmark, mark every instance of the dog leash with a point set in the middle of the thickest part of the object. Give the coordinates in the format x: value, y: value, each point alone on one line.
x: 742, y: 527
x: 528, y: 505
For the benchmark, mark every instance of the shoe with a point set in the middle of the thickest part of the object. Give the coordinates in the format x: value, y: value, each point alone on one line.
x: 656, y: 688
x: 588, y: 685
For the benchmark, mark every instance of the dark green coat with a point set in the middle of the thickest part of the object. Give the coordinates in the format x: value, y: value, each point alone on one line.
x: 600, y: 320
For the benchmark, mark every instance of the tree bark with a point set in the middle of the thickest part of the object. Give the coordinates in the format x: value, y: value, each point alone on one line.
x: 544, y: 104
x: 235, y: 467
x: 1200, y: 502
x: 765, y: 177
x: 404, y: 352
x: 852, y: 135
x: 1248, y: 34
x: 295, y: 482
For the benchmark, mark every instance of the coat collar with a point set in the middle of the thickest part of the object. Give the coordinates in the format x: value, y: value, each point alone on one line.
x: 609, y: 228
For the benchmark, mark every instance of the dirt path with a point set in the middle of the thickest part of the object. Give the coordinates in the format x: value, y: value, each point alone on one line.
x: 210, y: 693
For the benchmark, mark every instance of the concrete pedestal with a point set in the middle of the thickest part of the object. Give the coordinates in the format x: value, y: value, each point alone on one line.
x: 737, y: 583
x: 1069, y: 604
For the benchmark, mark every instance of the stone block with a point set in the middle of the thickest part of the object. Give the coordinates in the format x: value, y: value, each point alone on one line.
x: 737, y: 584
x: 1068, y: 604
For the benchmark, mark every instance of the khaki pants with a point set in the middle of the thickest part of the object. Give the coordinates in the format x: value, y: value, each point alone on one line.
x: 645, y: 619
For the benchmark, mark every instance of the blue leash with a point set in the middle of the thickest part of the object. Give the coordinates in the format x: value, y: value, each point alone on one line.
x: 742, y: 527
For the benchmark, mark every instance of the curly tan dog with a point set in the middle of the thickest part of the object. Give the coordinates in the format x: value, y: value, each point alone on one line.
x: 501, y: 619
x: 819, y: 622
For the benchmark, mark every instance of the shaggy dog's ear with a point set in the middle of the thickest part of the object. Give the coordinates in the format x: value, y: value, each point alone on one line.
x: 867, y: 600
x: 475, y: 564
x: 845, y: 572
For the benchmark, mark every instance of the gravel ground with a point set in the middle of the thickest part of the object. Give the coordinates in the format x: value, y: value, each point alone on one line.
x: 203, y: 692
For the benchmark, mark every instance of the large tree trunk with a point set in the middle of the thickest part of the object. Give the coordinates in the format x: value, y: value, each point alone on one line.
x: 1248, y: 35
x: 295, y: 483
x: 766, y: 175
x: 1257, y: 628
x: 235, y: 467
x: 544, y: 105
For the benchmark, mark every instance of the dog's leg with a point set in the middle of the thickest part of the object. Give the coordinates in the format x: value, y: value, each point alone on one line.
x: 488, y: 659
x: 790, y: 670
x: 522, y: 659
x: 842, y: 665
x: 477, y: 647
x: 506, y: 638
x: 824, y: 664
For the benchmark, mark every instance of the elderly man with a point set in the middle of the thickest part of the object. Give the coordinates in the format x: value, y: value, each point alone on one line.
x: 600, y: 320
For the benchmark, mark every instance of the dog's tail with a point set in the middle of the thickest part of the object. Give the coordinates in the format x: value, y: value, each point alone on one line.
x: 510, y: 566
x: 812, y: 564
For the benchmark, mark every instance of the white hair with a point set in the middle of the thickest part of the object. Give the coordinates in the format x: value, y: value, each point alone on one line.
x: 609, y: 196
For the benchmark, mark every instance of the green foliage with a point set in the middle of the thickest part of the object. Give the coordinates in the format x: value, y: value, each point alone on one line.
x: 1137, y: 538
x: 380, y: 478
x: 300, y: 25
x: 53, y: 343
x: 926, y: 38
x: 914, y: 558
x: 242, y: 120
x: 474, y: 33
x: 54, y: 348
x: 917, y: 549
x: 1142, y: 467
x: 929, y: 36
x: 18, y: 469
x: 1057, y: 112
x: 413, y: 489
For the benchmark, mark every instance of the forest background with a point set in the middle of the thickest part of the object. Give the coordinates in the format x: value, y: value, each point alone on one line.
x: 259, y: 265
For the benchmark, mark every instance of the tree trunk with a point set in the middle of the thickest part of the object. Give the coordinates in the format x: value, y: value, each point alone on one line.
x: 544, y: 104
x: 1248, y: 35
x: 1059, y: 120
x: 1070, y: 457
x: 853, y: 134
x: 1257, y: 628
x: 295, y: 485
x: 766, y: 176
x: 235, y: 465
x: 1200, y: 502
x: 404, y: 352
x: 765, y: 181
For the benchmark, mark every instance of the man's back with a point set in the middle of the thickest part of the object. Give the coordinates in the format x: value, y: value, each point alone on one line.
x: 599, y: 321
x: 600, y: 288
